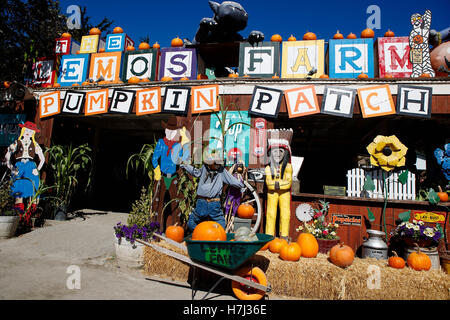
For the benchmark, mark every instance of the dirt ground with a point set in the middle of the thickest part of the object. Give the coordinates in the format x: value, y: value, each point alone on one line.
x: 42, y: 264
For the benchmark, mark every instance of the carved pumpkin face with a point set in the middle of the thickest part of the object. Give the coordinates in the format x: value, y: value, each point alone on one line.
x: 418, y: 39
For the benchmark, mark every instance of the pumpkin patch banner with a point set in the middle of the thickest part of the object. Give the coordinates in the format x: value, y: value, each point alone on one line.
x: 96, y: 102
x: 73, y: 69
x: 265, y: 102
x: 148, y: 101
x: 73, y: 102
x: 106, y: 66
x: 301, y: 101
x: 140, y: 63
x: 178, y: 63
x: 338, y: 101
x: 176, y: 100
x: 350, y: 57
x: 49, y: 104
x: 414, y: 101
x: 237, y: 138
x: 301, y: 57
x: 393, y: 57
x: 259, y: 60
x: 376, y: 101
x: 122, y: 101
x: 205, y: 98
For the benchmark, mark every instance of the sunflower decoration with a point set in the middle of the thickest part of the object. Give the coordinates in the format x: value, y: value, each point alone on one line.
x: 387, y: 152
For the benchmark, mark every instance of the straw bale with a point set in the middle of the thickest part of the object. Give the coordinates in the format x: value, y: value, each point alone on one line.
x: 318, y: 278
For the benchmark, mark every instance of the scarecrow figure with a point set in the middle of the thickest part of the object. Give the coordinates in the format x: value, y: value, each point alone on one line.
x: 279, y: 180
x: 212, y: 176
x: 168, y: 154
x: 24, y: 172
x: 418, y: 42
x: 234, y: 195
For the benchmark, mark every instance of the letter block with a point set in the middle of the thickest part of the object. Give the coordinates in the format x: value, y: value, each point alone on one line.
x: 300, y: 57
x: 376, y: 101
x: 66, y: 46
x: 43, y: 71
x: 90, y: 44
x: 106, y: 65
x: 73, y: 69
x: 261, y: 60
x: 178, y: 63
x: 349, y: 57
x: 117, y: 42
x: 49, y: 104
x: 141, y: 64
x: 393, y: 57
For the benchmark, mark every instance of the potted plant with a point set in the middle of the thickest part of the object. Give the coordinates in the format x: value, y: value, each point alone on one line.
x: 324, y: 232
x: 139, y: 226
x: 65, y: 166
x: 416, y: 233
x: 9, y: 217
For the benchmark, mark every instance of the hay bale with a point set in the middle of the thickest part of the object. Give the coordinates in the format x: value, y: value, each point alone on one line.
x: 317, y: 278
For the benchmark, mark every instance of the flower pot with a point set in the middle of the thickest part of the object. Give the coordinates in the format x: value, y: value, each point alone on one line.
x: 8, y: 226
x: 423, y: 243
x: 431, y: 252
x: 130, y: 254
x: 325, y: 245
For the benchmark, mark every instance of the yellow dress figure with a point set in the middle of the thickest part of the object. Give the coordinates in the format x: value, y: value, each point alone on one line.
x: 279, y: 181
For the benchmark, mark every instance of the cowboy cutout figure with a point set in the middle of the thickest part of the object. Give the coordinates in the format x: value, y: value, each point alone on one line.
x: 24, y: 172
x: 169, y: 152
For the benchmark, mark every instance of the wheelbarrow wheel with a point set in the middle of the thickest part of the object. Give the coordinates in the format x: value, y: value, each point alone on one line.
x: 244, y: 292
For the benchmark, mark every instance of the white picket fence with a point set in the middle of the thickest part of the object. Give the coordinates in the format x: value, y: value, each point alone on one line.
x: 396, y: 191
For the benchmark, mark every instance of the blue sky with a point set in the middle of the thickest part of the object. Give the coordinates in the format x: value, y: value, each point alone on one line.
x: 163, y: 20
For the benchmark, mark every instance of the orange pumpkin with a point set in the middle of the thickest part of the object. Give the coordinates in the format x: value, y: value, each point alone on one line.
x: 209, y: 231
x: 276, y: 245
x: 184, y: 78
x: 342, y: 255
x: 243, y: 292
x: 95, y: 31
x: 246, y: 76
x: 6, y: 84
x: 388, y: 75
x: 291, y: 252
x: 351, y: 35
x: 176, y: 233
x: 202, y: 76
x: 144, y: 46
x: 134, y: 79
x: 101, y: 50
x: 425, y: 75
x: 85, y: 83
x: 367, y: 33
x: 176, y: 42
x: 75, y: 85
x: 309, y: 36
x: 338, y: 35
x: 145, y: 80
x: 443, y: 196
x: 66, y: 35
x: 276, y: 38
x: 233, y: 75
x: 396, y: 261
x: 362, y: 75
x: 324, y: 76
x: 275, y: 76
x: 265, y: 247
x: 245, y: 211
x: 156, y: 45
x: 78, y: 52
x: 55, y: 85
x: 308, y: 244
x: 389, y: 33
x: 130, y: 48
x: 166, y: 78
x: 118, y: 30
x: 292, y: 38
x: 419, y: 260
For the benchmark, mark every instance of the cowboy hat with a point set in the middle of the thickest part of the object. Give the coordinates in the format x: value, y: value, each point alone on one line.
x: 172, y: 123
x: 30, y: 125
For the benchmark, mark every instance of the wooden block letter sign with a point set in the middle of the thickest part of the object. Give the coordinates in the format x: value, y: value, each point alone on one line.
x: 73, y: 69
x: 49, y: 104
x: 338, y: 101
x: 106, y: 65
x: 66, y: 46
x: 349, y: 57
x: 96, y: 102
x: 393, y: 56
x: 141, y: 64
x: 89, y: 44
x: 178, y: 63
x: 301, y: 101
x: 117, y: 42
x: 265, y: 102
x: 414, y: 101
x: 259, y: 60
x: 176, y: 100
x: 300, y: 57
x: 148, y: 101
x: 376, y: 101
x: 205, y: 99
x: 73, y: 102
x: 43, y: 72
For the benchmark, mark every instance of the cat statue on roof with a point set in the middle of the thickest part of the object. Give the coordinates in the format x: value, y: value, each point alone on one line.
x: 229, y: 18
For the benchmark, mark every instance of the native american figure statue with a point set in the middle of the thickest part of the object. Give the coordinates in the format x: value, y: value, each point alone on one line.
x: 279, y: 180
x: 418, y: 42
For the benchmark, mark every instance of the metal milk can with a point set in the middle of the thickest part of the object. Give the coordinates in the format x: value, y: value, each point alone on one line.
x: 375, y: 247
